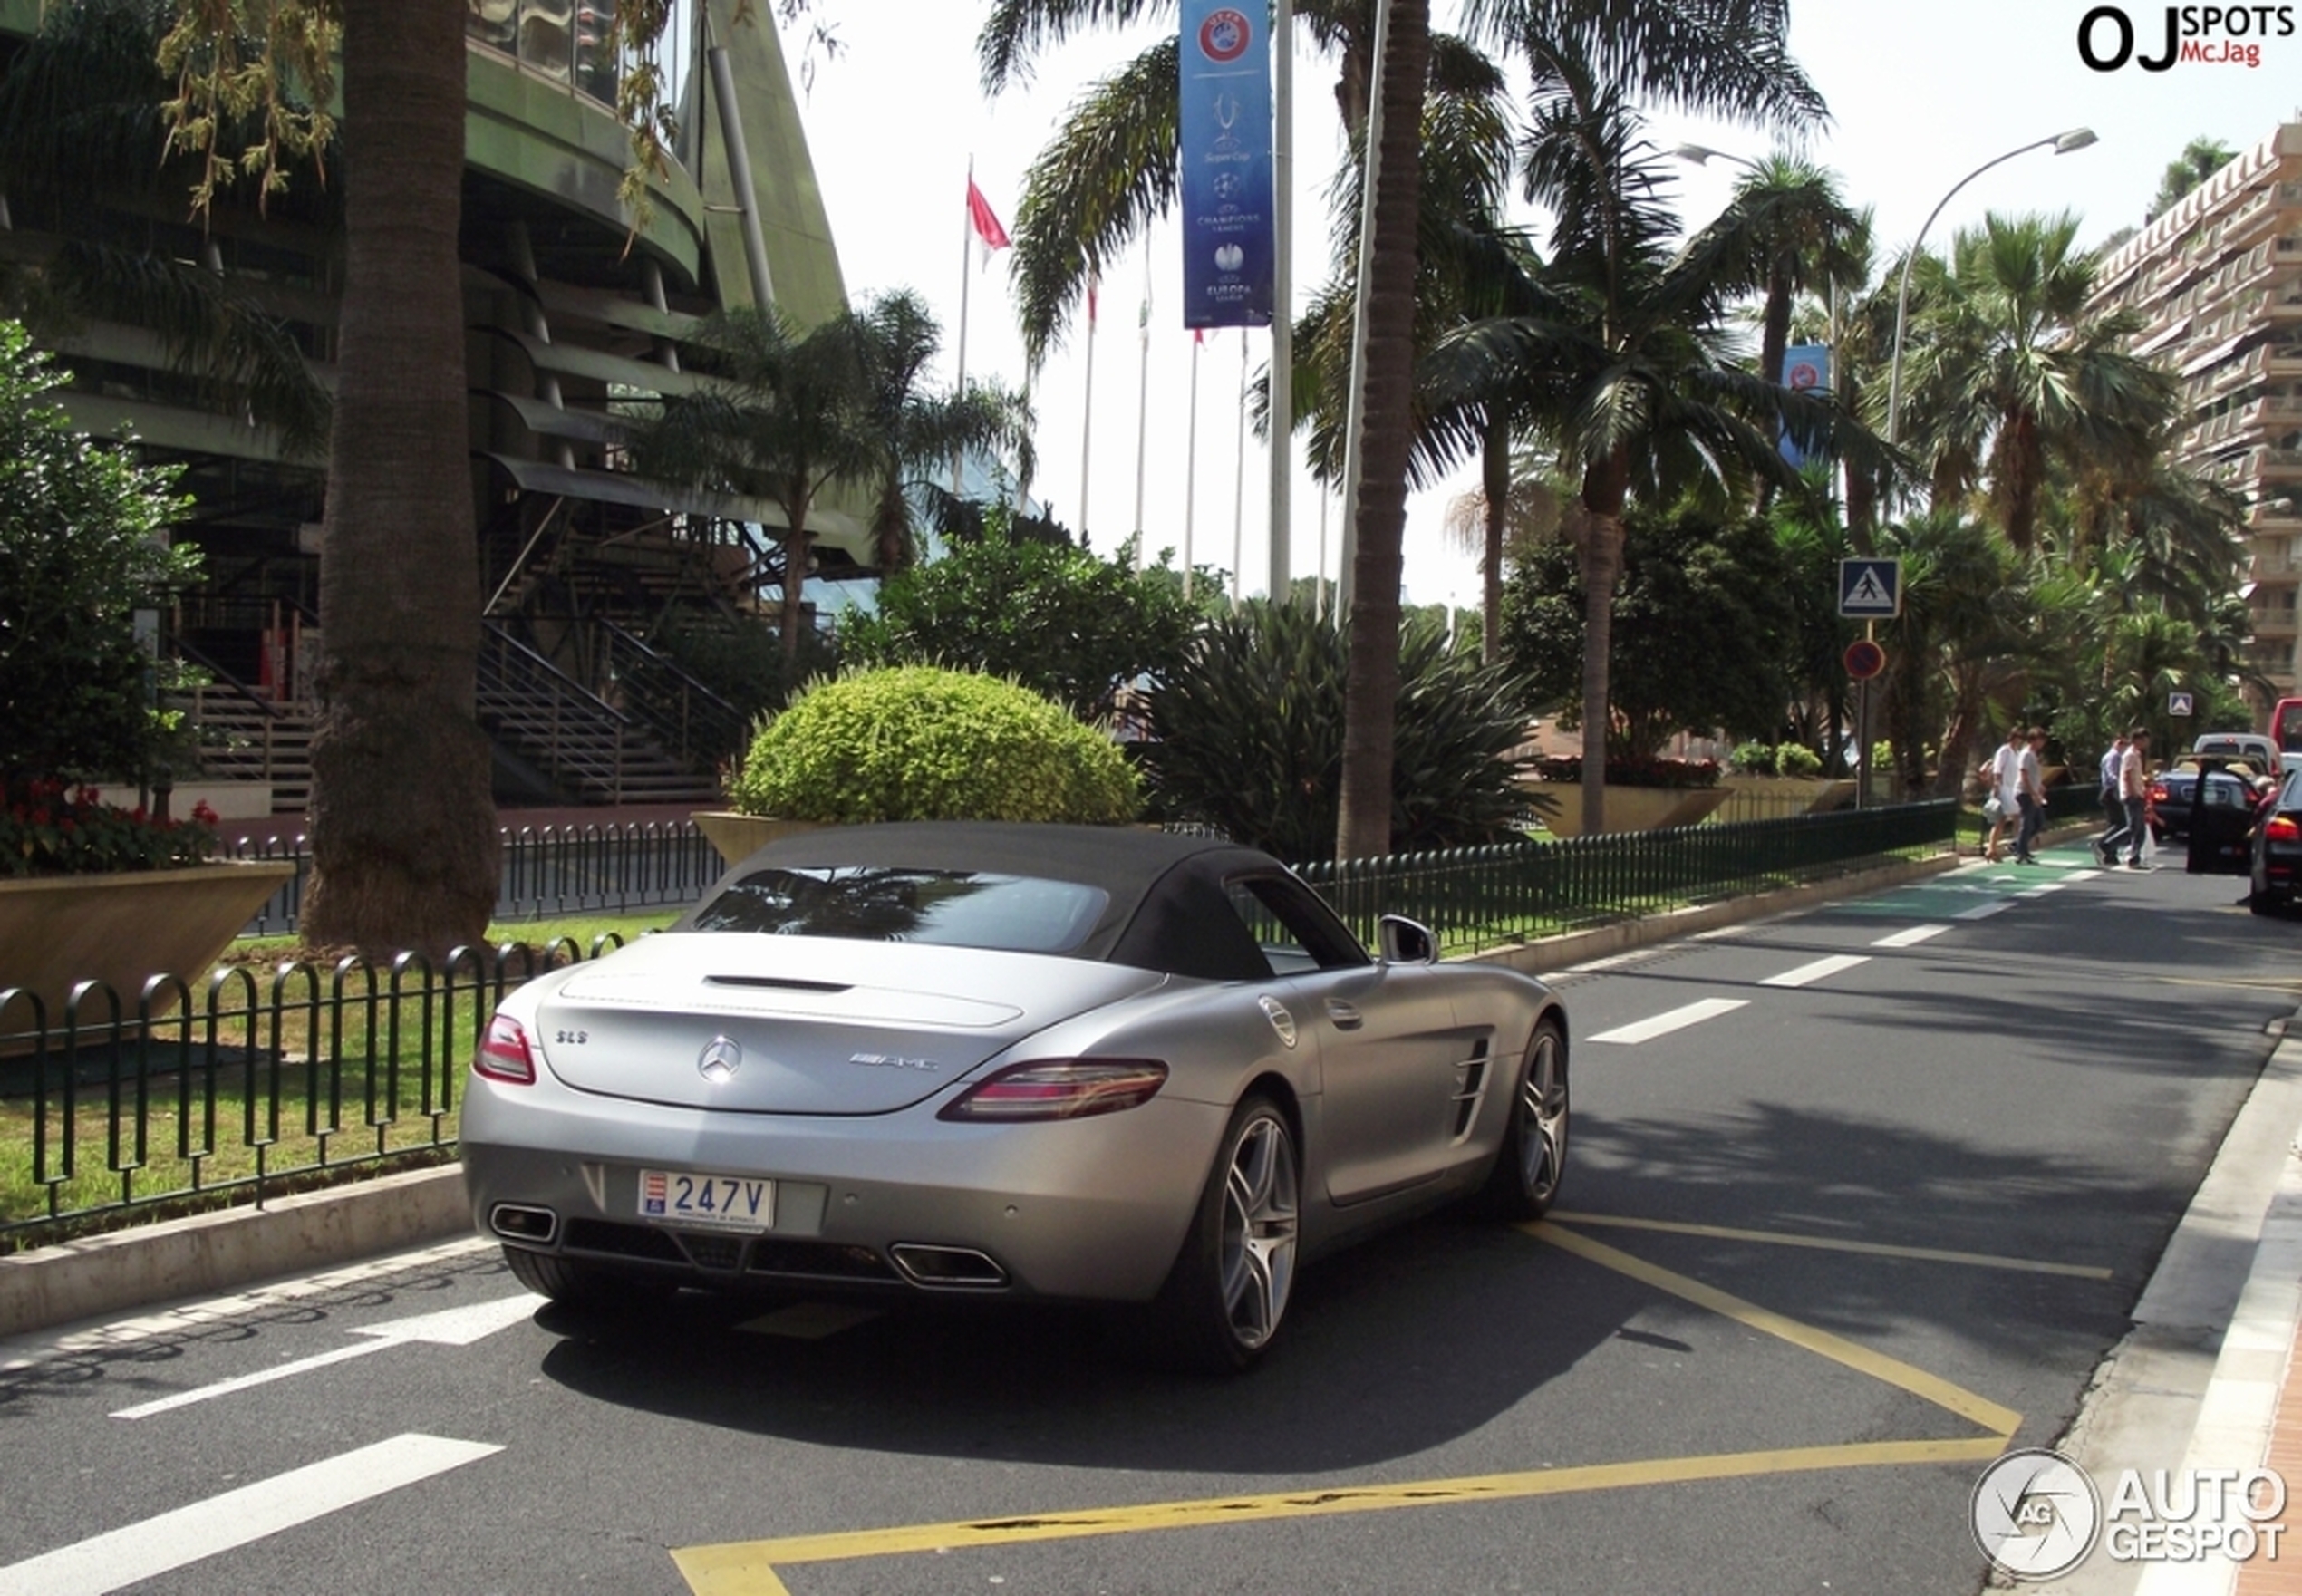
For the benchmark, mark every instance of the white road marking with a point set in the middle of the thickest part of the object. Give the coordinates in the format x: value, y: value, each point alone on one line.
x: 2082, y: 875
x: 1984, y: 911
x: 1611, y: 962
x: 455, y: 1326
x: 1911, y: 938
x: 1663, y: 1024
x: 158, y: 1545
x: 1820, y: 968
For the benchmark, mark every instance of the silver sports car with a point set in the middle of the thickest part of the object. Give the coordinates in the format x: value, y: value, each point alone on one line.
x: 1038, y: 1062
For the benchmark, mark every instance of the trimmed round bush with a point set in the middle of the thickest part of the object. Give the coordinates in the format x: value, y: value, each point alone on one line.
x: 916, y: 742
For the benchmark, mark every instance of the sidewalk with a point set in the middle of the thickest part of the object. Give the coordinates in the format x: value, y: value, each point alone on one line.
x: 2207, y: 1378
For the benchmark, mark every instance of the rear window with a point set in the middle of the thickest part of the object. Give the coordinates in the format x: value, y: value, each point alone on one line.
x: 951, y: 908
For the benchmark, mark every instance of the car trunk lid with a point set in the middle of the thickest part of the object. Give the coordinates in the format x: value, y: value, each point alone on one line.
x: 789, y: 1025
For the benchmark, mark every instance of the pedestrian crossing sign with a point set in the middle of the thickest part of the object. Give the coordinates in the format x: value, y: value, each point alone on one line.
x: 1870, y: 590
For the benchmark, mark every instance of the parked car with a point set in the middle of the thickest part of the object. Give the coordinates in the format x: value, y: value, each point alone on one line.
x: 2251, y: 745
x: 1020, y: 1061
x: 2277, y: 858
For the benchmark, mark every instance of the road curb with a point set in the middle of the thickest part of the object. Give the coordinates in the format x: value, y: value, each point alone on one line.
x: 228, y: 1249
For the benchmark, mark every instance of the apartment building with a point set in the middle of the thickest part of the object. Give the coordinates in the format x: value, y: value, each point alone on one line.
x: 2218, y: 280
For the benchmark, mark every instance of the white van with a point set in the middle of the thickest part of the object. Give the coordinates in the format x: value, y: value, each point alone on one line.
x: 2250, y: 745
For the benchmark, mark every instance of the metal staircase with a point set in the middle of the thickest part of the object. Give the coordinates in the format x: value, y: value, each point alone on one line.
x: 592, y: 751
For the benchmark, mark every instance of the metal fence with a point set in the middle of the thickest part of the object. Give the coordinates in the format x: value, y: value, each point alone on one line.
x: 547, y: 874
x: 181, y: 1097
x: 1479, y: 898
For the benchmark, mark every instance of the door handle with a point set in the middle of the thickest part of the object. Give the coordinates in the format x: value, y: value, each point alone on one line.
x: 1345, y: 1017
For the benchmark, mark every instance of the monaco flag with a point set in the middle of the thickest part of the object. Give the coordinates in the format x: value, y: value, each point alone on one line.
x: 988, y: 234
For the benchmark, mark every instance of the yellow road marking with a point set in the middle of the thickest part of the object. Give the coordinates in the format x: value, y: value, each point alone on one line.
x: 1873, y: 1249
x: 1894, y: 1371
x: 747, y: 1568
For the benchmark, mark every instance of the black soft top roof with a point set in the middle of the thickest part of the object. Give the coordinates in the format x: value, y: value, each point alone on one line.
x: 1166, y: 908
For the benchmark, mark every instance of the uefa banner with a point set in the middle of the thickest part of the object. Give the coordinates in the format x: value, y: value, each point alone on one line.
x: 1225, y: 112
x: 1806, y: 368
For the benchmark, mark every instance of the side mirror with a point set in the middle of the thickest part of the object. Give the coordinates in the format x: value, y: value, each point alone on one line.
x: 1404, y: 941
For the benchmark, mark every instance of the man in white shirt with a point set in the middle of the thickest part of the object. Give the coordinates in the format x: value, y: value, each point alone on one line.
x: 2031, y: 795
x: 2006, y: 789
x: 2133, y: 795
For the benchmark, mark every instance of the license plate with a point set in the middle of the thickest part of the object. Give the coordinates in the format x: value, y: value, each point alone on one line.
x: 714, y: 1202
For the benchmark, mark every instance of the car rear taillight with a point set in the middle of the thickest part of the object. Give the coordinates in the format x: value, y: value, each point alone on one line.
x: 504, y: 1053
x: 1061, y: 1089
x: 2283, y: 829
x: 2157, y: 792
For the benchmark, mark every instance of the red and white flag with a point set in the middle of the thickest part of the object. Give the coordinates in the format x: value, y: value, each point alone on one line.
x: 989, y: 234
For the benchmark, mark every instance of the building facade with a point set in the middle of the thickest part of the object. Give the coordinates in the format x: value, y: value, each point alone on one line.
x: 573, y: 310
x: 2218, y: 281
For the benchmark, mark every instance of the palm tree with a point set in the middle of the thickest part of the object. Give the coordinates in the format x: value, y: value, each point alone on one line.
x: 788, y: 415
x: 1624, y: 354
x: 2013, y: 373
x: 1786, y: 232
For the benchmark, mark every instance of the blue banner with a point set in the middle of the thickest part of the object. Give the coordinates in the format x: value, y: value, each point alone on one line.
x: 1806, y: 367
x: 1224, y: 78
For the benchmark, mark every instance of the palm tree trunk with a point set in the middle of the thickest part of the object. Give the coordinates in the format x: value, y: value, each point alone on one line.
x: 795, y: 579
x: 403, y: 829
x: 1387, y: 428
x: 1494, y: 466
x: 1601, y: 569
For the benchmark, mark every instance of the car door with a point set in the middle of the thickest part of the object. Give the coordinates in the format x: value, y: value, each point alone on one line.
x: 2221, y: 819
x: 1395, y: 1065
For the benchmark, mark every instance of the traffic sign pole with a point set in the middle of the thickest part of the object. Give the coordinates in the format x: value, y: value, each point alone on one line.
x: 1863, y: 730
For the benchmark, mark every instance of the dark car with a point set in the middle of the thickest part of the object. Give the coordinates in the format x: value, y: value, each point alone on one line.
x: 2277, y: 851
x: 2229, y: 793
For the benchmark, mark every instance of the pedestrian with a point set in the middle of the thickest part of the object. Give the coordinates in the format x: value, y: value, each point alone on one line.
x: 2114, y: 806
x: 2032, y: 795
x: 2134, y: 797
x: 2003, y: 804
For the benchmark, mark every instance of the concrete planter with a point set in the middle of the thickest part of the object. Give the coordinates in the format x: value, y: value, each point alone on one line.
x: 1630, y: 808
x: 1809, y: 794
x: 123, y: 929
x: 738, y: 836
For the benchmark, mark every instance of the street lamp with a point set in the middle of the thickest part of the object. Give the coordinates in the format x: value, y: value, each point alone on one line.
x: 1702, y: 154
x: 2061, y: 144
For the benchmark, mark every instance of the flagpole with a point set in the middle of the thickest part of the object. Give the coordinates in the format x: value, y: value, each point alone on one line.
x: 1191, y: 464
x: 966, y: 249
x: 1143, y: 397
x: 1282, y: 331
x: 1086, y: 411
x: 1239, y: 490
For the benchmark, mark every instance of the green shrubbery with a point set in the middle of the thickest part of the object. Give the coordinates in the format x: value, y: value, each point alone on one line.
x: 921, y: 743
x: 1247, y: 735
x: 1782, y: 759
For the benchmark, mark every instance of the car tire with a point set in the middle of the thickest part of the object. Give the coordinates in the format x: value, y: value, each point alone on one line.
x: 1532, y: 1161
x: 2262, y: 903
x: 582, y: 1286
x: 1225, y: 1296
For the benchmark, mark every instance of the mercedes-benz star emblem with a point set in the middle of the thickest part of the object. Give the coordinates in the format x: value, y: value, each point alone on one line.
x: 720, y: 1060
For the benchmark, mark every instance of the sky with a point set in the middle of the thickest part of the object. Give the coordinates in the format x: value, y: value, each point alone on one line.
x: 1921, y: 92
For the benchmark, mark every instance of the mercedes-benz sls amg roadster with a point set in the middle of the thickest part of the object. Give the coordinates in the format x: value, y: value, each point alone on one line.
x: 1089, y: 1064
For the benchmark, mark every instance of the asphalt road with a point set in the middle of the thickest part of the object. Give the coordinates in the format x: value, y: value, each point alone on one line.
x: 1854, y: 1197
